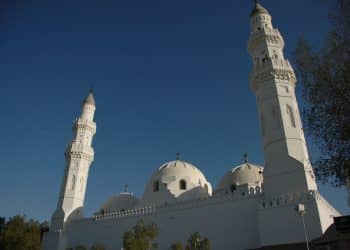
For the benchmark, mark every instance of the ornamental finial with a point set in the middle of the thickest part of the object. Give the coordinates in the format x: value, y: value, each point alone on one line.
x: 177, y: 156
x: 125, y: 188
x: 245, y: 156
x: 89, y: 99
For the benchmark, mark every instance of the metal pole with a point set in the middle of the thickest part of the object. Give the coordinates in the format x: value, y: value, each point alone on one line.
x: 307, y: 241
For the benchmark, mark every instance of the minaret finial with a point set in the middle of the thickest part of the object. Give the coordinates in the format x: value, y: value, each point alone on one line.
x: 245, y: 156
x: 177, y: 156
x: 125, y: 188
x: 90, y: 97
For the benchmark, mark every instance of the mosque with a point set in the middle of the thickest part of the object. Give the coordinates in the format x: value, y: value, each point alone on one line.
x: 251, y: 207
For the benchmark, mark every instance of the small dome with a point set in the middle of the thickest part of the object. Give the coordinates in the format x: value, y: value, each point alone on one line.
x: 121, y: 202
x: 176, y: 180
x: 245, y: 174
x: 258, y: 9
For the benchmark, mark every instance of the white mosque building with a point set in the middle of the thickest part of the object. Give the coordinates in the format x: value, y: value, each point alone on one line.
x: 251, y: 207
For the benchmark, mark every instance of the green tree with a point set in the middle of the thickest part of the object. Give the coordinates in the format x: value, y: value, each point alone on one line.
x: 44, y: 227
x: 2, y: 223
x: 19, y: 234
x: 325, y: 78
x: 80, y: 247
x: 2, y: 226
x: 141, y: 237
x: 98, y: 246
x: 196, y: 242
x: 205, y: 244
x: 176, y: 246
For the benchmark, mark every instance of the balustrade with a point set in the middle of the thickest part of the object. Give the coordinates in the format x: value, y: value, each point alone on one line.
x: 179, y: 205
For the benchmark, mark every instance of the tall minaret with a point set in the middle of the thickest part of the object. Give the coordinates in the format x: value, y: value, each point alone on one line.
x: 79, y: 155
x: 287, y: 166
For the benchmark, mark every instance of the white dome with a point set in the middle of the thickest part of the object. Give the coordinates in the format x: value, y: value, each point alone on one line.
x: 176, y: 180
x: 123, y: 201
x: 245, y: 174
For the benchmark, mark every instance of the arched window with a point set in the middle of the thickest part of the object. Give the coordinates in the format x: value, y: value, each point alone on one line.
x: 233, y: 188
x: 291, y: 115
x: 183, y: 185
x: 73, y: 182
x: 156, y: 186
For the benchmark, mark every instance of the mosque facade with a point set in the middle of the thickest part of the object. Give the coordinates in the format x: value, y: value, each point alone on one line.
x: 251, y: 207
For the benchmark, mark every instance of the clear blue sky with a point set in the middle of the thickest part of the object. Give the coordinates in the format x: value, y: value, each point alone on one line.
x: 168, y: 76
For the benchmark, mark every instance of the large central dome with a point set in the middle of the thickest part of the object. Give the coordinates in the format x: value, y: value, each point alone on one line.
x: 176, y: 180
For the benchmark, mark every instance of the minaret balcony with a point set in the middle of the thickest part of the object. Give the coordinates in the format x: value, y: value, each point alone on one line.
x: 269, y: 36
x: 272, y: 69
x: 80, y: 148
x: 270, y: 64
x: 84, y: 124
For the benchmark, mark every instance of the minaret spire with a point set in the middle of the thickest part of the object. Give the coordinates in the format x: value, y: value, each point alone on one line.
x: 79, y: 155
x: 258, y: 9
x: 90, y: 98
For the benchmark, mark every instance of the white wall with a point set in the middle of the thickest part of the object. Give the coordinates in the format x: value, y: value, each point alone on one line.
x: 228, y: 223
x: 281, y: 224
x: 326, y: 211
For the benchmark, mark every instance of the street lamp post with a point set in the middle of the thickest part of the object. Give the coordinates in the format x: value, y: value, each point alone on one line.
x: 300, y: 208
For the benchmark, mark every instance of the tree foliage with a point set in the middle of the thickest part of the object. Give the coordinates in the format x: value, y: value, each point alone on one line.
x: 325, y: 77
x: 141, y: 237
x: 176, y: 246
x: 80, y: 247
x: 44, y: 227
x: 196, y: 242
x: 2, y: 223
x: 19, y: 233
x: 98, y: 246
